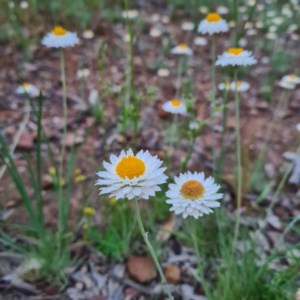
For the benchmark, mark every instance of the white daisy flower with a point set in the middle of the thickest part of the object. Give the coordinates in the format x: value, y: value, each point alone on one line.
x: 286, y: 84
x: 240, y: 86
x: 129, y: 176
x: 131, y: 14
x: 222, y: 10
x: 88, y: 34
x: 200, y: 41
x: 174, y: 106
x: 187, y: 26
x: 236, y: 57
x: 224, y: 86
x: 193, y: 195
x: 163, y: 72
x: 212, y: 24
x: 28, y: 88
x: 292, y: 78
x: 59, y: 37
x: 182, y: 49
x: 83, y: 73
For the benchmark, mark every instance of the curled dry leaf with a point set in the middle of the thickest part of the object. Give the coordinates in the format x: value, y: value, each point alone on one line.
x: 141, y: 268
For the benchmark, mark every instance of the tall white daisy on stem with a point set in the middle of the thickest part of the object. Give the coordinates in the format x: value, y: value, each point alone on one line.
x: 212, y: 25
x: 237, y: 57
x: 193, y: 195
x: 61, y: 38
x: 132, y: 177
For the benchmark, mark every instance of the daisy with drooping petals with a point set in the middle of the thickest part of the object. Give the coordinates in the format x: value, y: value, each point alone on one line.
x: 193, y: 195
x: 174, y: 106
x: 131, y: 176
x: 236, y: 57
x: 240, y: 86
x: 27, y: 88
x: 212, y: 24
x: 59, y: 37
x: 182, y: 49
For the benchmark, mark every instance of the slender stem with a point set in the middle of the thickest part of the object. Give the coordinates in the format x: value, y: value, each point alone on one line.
x: 281, y: 185
x: 189, y: 154
x: 239, y: 160
x: 151, y: 250
x: 180, y: 67
x: 199, y: 260
x: 213, y: 97
x: 221, y: 160
x: 65, y: 121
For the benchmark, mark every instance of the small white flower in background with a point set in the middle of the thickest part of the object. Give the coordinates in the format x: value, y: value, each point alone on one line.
x: 24, y: 5
x: 165, y: 19
x: 236, y: 57
x: 212, y: 24
x: 292, y: 28
x: 194, y: 125
x: 289, y: 82
x: 224, y: 86
x: 200, y: 41
x: 298, y: 127
x: 243, y: 42
x: 174, y: 106
x: 59, y: 37
x: 271, y: 36
x: 295, y: 36
x: 182, y: 49
x: 231, y: 24
x: 240, y: 86
x: 11, y: 4
x: 251, y: 2
x: 293, y: 78
x: 203, y: 9
x: 27, y: 88
x: 131, y: 176
x: 260, y: 7
x: 83, y: 73
x: 187, y: 26
x: 131, y: 14
x: 193, y: 195
x: 163, y: 72
x: 155, y: 18
x: 251, y: 32
x: 155, y: 32
x: 259, y: 25
x: 222, y: 10
x: 88, y: 34
x: 278, y: 20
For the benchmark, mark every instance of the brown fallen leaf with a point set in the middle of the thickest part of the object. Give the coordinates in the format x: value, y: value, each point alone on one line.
x: 172, y: 273
x: 141, y: 268
x: 26, y: 141
x: 72, y: 139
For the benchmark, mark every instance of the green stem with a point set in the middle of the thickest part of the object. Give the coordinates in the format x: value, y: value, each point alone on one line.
x: 221, y: 160
x: 180, y: 68
x: 189, y: 154
x: 199, y: 259
x: 151, y: 250
x: 239, y: 160
x: 213, y: 97
x: 65, y: 121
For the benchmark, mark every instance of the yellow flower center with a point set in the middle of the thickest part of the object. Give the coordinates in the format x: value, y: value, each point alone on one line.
x: 26, y: 85
x: 238, y: 84
x: 130, y: 167
x: 213, y: 17
x: 235, y: 51
x: 59, y: 30
x: 293, y: 76
x: 175, y: 102
x: 182, y: 46
x: 192, y: 189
